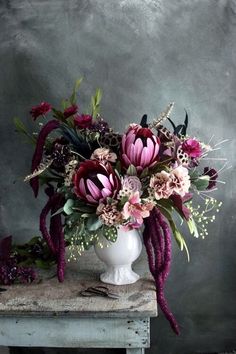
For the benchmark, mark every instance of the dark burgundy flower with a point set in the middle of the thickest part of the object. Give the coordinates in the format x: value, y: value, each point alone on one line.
x: 212, y: 173
x: 41, y: 109
x: 70, y: 111
x: 60, y: 153
x: 99, y: 125
x: 94, y: 182
x: 192, y: 147
x: 83, y: 121
x: 140, y: 148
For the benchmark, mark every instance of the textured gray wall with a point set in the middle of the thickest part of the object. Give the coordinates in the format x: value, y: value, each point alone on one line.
x: 143, y: 54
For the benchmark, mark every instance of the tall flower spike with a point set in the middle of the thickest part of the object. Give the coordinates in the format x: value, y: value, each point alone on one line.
x: 162, y: 117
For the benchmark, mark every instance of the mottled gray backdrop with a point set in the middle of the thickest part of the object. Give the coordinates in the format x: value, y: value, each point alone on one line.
x: 143, y: 54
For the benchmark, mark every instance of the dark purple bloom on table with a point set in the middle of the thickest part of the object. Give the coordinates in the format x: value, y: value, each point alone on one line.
x: 26, y: 275
x: 212, y: 173
x: 83, y: 121
x: 192, y: 148
x: 41, y: 109
x: 70, y: 111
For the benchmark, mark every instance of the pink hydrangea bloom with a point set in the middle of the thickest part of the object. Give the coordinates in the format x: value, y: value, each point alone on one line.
x: 192, y: 148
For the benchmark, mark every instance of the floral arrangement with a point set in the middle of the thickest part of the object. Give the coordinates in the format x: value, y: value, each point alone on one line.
x: 98, y: 180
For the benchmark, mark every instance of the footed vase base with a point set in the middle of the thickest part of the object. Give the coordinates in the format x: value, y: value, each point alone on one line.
x: 120, y: 275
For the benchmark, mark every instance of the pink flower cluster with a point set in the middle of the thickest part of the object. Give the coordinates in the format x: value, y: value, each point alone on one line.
x: 135, y: 211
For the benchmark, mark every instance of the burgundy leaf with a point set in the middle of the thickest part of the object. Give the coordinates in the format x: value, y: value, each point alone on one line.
x: 179, y: 204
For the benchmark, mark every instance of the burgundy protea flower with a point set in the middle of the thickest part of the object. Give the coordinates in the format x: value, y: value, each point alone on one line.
x: 41, y: 109
x: 212, y: 173
x: 192, y: 148
x: 140, y: 148
x: 94, y: 182
x: 83, y: 121
x: 70, y: 111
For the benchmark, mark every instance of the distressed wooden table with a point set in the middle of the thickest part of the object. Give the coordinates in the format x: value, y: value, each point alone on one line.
x: 52, y: 314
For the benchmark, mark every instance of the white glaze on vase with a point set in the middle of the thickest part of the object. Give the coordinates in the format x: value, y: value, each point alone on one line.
x: 119, y: 256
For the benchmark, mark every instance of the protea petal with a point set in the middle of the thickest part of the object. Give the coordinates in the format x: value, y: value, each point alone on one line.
x: 82, y: 187
x: 126, y: 160
x: 93, y: 189
x: 105, y: 192
x: 145, y: 157
x: 91, y: 199
x: 129, y: 139
x: 111, y: 179
x: 138, y: 150
x: 104, y: 180
x: 150, y: 146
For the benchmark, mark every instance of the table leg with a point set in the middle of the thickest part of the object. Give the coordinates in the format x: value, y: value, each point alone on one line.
x: 135, y: 351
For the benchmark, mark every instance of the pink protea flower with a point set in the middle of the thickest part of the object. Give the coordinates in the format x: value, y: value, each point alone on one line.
x: 94, y: 182
x: 41, y: 109
x: 180, y: 180
x: 70, y: 111
x: 103, y: 155
x: 192, y: 148
x: 135, y: 211
x: 140, y: 148
x: 83, y: 121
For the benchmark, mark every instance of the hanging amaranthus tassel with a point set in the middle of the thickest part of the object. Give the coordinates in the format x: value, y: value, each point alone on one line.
x: 157, y: 240
x: 38, y: 153
x: 54, y: 237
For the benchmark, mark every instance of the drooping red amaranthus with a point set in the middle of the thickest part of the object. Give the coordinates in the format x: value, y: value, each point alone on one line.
x: 38, y: 153
x: 55, y: 236
x: 61, y: 256
x: 157, y: 240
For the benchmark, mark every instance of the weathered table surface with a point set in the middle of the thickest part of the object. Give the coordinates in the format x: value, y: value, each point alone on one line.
x: 55, y: 314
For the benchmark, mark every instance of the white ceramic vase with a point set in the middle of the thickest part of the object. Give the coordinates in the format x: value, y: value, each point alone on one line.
x: 119, y: 256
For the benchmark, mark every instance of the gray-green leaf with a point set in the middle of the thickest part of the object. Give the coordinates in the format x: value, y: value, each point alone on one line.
x: 68, y: 207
